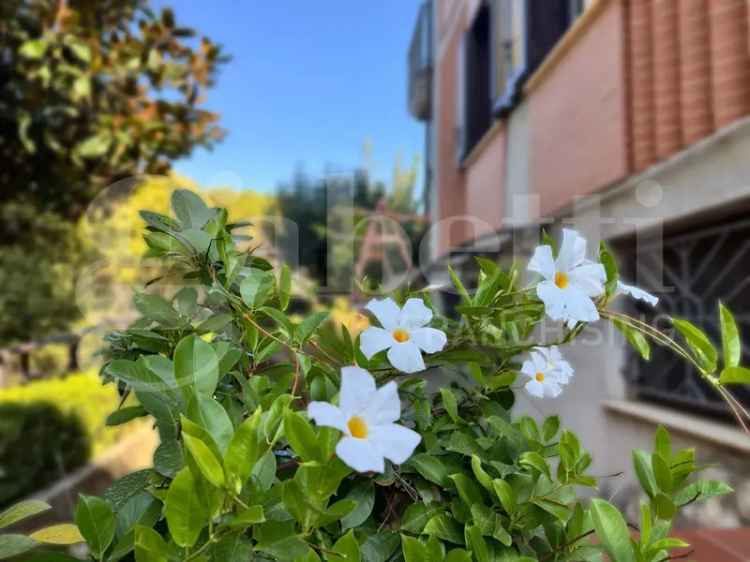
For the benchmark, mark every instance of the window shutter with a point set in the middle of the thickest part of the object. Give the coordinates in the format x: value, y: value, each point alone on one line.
x: 461, y: 106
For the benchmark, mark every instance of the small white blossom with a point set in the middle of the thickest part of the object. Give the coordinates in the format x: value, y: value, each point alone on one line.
x: 637, y: 293
x: 546, y: 379
x: 403, y: 333
x: 555, y: 362
x: 571, y: 282
x: 366, y: 415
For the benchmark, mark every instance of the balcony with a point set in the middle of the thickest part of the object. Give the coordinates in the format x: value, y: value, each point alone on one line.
x: 420, y: 65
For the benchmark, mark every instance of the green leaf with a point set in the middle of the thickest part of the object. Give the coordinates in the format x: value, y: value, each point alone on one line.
x: 701, y: 346
x: 244, y: 450
x: 186, y: 515
x: 550, y: 427
x: 285, y: 286
x: 431, y: 468
x: 735, y: 375
x: 479, y: 473
x: 644, y: 472
x: 450, y: 404
x: 13, y: 545
x: 635, y: 338
x: 205, y: 459
x: 446, y: 528
x: 730, y: 338
x: 467, y: 489
x: 663, y: 443
x: 33, y: 49
x: 213, y: 418
x: 256, y: 286
x: 701, y: 490
x: 215, y: 323
x: 190, y: 209
x: 22, y: 510
x: 250, y: 516
x: 610, y: 267
x: 96, y: 521
x: 196, y: 366
x: 662, y: 473
x: 413, y: 549
x: 95, y: 146
x: 124, y: 415
x: 505, y: 494
x: 301, y: 436
x: 150, y: 546
x: 363, y: 493
x: 62, y: 534
x: 465, y: 298
x: 309, y: 325
x: 346, y: 549
x: 664, y: 507
x: 536, y: 461
x: 612, y: 531
x: 416, y: 517
x: 477, y: 544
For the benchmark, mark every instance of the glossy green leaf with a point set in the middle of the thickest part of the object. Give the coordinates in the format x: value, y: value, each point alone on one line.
x: 22, y: 510
x: 96, y: 522
x: 186, y: 514
x: 207, y: 462
x: 730, y: 338
x: 612, y: 531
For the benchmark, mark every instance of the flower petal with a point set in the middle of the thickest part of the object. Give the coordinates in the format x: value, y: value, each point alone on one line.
x: 415, y: 314
x: 429, y: 340
x: 590, y: 278
x: 528, y: 368
x: 384, y: 407
x: 374, y: 340
x: 386, y: 311
x: 357, y: 389
x: 360, y: 455
x: 552, y: 297
x: 572, y: 250
x: 543, y: 262
x: 578, y: 306
x: 552, y: 389
x: 535, y: 388
x: 406, y: 357
x: 395, y: 442
x: 328, y: 415
x: 637, y: 293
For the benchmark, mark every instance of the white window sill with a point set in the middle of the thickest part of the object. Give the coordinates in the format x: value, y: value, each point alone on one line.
x: 687, y: 424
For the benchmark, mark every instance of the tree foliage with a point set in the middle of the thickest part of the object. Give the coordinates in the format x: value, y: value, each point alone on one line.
x: 93, y: 91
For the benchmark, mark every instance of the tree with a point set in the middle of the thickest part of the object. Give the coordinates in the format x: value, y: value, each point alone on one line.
x: 92, y: 91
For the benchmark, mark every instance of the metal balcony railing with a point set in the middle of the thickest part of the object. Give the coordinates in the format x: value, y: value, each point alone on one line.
x: 420, y: 65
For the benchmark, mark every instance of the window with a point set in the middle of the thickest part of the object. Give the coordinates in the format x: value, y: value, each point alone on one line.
x: 508, y: 48
x: 698, y: 268
x: 473, y: 97
x: 577, y: 7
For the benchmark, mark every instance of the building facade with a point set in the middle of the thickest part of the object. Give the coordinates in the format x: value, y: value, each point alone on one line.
x: 630, y: 120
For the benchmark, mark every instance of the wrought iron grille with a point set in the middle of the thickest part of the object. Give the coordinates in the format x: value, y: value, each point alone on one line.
x: 698, y: 269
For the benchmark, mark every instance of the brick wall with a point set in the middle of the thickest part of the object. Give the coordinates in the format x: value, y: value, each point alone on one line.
x: 689, y: 72
x: 578, y: 117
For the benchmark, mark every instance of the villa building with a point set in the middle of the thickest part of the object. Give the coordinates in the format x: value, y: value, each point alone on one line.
x: 629, y: 120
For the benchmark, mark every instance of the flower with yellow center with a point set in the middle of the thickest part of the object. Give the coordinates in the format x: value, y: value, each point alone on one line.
x: 404, y: 333
x: 366, y: 417
x: 547, y: 372
x: 570, y: 281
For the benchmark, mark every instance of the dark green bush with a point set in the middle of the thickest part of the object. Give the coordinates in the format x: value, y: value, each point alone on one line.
x: 39, y: 444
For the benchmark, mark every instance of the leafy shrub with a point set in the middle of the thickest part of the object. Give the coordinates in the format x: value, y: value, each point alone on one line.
x: 243, y: 473
x: 39, y: 444
x: 81, y: 395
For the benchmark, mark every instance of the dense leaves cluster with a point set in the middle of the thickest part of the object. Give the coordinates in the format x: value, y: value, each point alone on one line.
x: 242, y: 473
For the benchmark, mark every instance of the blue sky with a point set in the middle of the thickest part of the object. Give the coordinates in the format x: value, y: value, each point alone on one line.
x: 309, y: 83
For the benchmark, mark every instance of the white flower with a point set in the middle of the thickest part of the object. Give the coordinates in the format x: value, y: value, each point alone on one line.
x: 637, y: 293
x: 403, y: 334
x: 570, y: 281
x: 366, y: 416
x: 556, y: 362
x: 545, y: 379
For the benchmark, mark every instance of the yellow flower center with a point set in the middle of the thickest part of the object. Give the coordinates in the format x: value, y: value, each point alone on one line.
x: 357, y: 427
x: 400, y: 335
x: 561, y: 279
x: 539, y: 376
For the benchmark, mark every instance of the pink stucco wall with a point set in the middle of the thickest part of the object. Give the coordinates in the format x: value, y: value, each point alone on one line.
x: 485, y: 189
x: 578, y: 116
